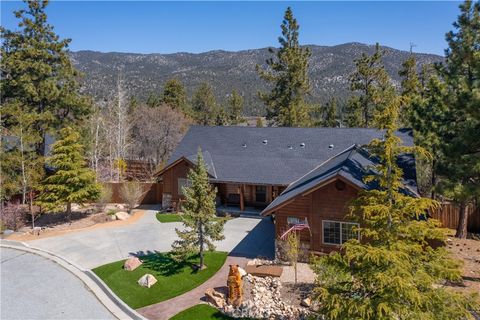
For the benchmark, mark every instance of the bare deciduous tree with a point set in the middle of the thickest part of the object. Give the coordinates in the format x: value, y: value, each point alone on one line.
x: 157, y: 131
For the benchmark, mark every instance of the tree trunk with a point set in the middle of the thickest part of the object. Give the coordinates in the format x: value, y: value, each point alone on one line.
x: 24, y: 178
x: 462, y: 222
x: 69, y: 210
x: 201, y: 246
x: 30, y: 208
x: 434, y: 179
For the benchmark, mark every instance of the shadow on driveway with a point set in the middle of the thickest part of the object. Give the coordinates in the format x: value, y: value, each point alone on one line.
x: 259, y: 242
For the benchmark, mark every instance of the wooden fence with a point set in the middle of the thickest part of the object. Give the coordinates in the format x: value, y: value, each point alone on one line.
x: 152, y: 192
x: 448, y: 214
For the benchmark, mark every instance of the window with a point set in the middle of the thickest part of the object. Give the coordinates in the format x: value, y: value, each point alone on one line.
x: 260, y: 193
x: 335, y: 232
x: 182, y: 182
x: 295, y: 220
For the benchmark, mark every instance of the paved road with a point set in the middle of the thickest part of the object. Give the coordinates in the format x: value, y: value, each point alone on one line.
x: 33, y: 287
x: 88, y: 249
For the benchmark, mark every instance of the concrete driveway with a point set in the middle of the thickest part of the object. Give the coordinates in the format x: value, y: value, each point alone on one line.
x: 88, y: 249
x: 33, y: 287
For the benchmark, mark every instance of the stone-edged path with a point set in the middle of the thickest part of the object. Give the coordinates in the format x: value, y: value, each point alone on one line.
x: 166, y: 309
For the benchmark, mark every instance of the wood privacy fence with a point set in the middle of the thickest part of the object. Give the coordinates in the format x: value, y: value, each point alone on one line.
x: 448, y: 214
x: 152, y: 192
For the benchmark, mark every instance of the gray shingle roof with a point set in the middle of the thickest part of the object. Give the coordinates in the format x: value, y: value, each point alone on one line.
x: 239, y: 154
x: 353, y: 164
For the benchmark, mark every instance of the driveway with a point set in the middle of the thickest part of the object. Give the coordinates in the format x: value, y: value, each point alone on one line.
x: 33, y: 287
x: 88, y: 249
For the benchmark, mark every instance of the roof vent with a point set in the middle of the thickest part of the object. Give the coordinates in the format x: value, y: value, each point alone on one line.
x: 265, y: 141
x: 244, y: 145
x: 330, y: 146
x: 290, y: 147
x: 302, y: 145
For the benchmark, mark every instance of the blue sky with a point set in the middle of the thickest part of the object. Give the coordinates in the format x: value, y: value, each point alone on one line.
x: 166, y: 27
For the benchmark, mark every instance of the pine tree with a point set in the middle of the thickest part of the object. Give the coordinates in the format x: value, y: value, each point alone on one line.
x: 174, y: 95
x: 201, y: 227
x: 460, y: 167
x: 287, y: 72
x: 372, y: 83
x: 330, y: 114
x: 426, y: 116
x: 410, y: 88
x: 204, y: 105
x: 153, y: 100
x: 393, y: 272
x: 38, y: 74
x: 235, y: 103
x: 72, y: 181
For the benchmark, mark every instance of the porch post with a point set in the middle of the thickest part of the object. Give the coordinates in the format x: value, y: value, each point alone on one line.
x: 242, y: 205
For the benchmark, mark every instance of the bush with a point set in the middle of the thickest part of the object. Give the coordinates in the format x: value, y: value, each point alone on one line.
x: 131, y: 193
x: 105, y: 197
x: 13, y: 216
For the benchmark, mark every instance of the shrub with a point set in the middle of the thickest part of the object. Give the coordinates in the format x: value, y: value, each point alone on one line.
x: 13, y: 216
x: 131, y: 193
x: 105, y: 197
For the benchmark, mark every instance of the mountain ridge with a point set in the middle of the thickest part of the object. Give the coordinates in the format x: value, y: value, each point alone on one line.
x: 145, y: 73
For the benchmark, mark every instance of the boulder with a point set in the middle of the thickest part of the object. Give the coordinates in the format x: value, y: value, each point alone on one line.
x: 147, y: 280
x: 132, y: 263
x: 122, y: 215
x: 217, y: 299
x: 242, y: 272
x: 307, y: 302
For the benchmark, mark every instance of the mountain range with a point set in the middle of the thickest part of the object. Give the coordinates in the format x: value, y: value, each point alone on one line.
x: 145, y: 74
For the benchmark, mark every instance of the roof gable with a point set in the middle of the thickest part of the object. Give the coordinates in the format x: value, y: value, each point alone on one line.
x: 353, y: 165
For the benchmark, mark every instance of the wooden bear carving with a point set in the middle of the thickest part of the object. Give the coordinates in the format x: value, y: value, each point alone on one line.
x: 234, y: 283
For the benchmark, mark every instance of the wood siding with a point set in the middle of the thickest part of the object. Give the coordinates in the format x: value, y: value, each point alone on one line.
x: 170, y: 178
x: 325, y: 203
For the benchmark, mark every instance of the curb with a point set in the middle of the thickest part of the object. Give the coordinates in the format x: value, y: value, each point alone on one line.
x: 113, y: 304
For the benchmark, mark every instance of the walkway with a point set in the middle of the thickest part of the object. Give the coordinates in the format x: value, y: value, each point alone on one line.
x: 167, y: 309
x: 34, y: 287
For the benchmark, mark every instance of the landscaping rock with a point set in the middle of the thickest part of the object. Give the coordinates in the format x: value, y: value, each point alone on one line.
x: 217, y: 299
x: 266, y: 302
x: 147, y: 280
x: 8, y: 232
x: 307, y: 302
x: 132, y: 263
x: 242, y: 272
x: 122, y: 215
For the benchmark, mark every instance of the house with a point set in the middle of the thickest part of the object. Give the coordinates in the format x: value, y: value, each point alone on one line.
x: 296, y: 175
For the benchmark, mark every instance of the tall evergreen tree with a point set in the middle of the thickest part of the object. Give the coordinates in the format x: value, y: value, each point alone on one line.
x: 199, y: 219
x: 72, y: 181
x: 37, y: 73
x: 204, y: 105
x: 393, y: 272
x: 175, y: 95
x: 235, y: 103
x: 410, y: 88
x: 287, y: 72
x: 372, y: 84
x: 330, y: 114
x: 461, y: 145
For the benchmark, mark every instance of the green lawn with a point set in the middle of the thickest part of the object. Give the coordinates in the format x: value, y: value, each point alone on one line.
x: 175, y: 217
x: 200, y: 311
x: 173, y: 278
x: 168, y: 217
